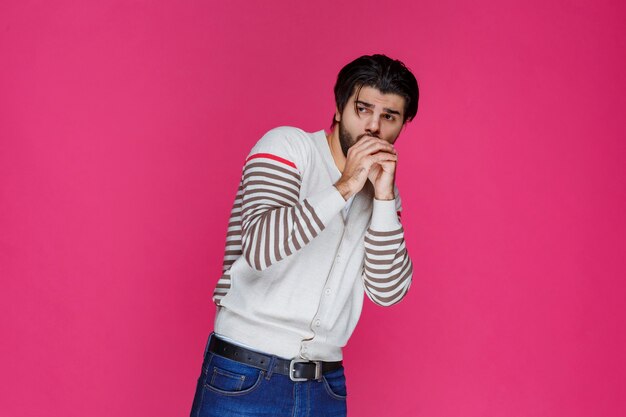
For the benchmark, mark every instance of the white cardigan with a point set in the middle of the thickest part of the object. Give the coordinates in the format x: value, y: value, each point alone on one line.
x: 294, y: 270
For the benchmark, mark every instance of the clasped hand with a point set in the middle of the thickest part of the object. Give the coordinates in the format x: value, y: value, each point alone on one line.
x: 370, y: 158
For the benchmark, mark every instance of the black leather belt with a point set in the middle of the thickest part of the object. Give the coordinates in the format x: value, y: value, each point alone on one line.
x: 297, y: 369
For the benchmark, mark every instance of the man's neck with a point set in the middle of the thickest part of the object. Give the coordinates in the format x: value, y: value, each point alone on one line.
x: 335, y: 149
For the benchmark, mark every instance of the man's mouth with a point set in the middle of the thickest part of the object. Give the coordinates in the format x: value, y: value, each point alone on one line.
x: 366, y: 135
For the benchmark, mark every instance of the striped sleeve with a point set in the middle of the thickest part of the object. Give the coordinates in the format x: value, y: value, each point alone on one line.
x: 275, y: 223
x: 233, y: 247
x: 388, y: 269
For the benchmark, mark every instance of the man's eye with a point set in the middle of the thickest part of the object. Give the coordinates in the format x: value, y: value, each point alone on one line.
x: 361, y: 109
x: 389, y: 117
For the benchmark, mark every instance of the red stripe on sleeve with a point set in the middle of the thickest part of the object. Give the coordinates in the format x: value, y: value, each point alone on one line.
x: 274, y: 157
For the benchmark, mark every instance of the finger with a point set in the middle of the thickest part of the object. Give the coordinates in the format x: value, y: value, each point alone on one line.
x: 382, y: 144
x: 379, y: 158
x: 373, y: 146
x: 362, y: 144
x: 367, y: 140
x: 384, y: 156
x: 388, y: 166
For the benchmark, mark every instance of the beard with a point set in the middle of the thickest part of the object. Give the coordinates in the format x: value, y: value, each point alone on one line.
x: 346, y: 140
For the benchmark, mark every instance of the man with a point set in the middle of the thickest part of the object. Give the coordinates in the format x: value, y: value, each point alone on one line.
x: 314, y: 226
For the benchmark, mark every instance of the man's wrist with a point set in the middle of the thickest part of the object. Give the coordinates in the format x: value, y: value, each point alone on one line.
x: 386, y: 196
x: 344, y: 190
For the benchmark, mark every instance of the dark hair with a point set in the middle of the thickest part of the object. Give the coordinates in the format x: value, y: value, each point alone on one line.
x: 381, y: 72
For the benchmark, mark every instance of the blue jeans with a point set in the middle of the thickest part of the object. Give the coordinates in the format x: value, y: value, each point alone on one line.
x: 229, y: 388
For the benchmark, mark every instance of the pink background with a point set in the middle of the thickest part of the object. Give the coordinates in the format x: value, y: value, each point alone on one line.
x: 123, y: 129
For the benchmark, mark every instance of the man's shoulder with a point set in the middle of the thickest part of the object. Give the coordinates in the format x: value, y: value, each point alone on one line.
x: 287, y: 142
x: 287, y: 133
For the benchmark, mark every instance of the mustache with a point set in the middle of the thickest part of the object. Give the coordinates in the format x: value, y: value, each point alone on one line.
x: 371, y: 135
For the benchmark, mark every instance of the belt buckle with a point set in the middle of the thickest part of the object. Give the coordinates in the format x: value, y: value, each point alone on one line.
x: 318, y: 369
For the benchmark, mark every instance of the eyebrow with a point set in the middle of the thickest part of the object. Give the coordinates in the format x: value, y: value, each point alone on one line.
x: 370, y: 106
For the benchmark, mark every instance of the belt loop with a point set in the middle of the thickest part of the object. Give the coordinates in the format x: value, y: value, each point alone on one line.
x: 208, y: 342
x: 272, y: 365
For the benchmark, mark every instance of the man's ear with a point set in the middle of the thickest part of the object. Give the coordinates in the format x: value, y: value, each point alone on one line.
x: 337, y: 115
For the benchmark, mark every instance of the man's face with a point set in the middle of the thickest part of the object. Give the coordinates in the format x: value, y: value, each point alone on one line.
x: 378, y: 115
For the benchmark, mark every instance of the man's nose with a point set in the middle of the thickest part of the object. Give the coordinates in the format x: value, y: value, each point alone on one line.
x: 373, y: 124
